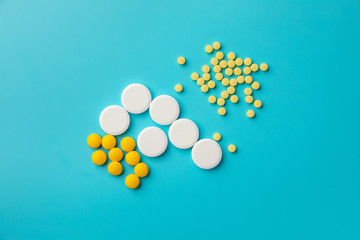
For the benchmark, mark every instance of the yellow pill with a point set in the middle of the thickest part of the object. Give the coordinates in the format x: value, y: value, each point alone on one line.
x: 99, y: 157
x: 194, y: 76
x: 94, y: 140
x: 108, y: 142
x: 223, y: 64
x: 238, y: 61
x: 206, y: 76
x: 214, y: 61
x: 216, y: 45
x: 208, y: 49
x: 132, y: 181
x: 127, y: 144
x: 254, y: 67
x: 225, y: 81
x: 115, y: 168
x: 232, y: 148
x: 233, y: 82
x: 211, y: 84
x: 231, y: 55
x: 204, y: 88
x: 247, y: 61
x: 257, y: 104
x: 249, y: 99
x: 141, y: 170
x: 206, y: 68
x: 220, y: 102
x: 217, y: 136
x: 264, y: 67
x: 240, y: 79
x: 132, y: 158
x: 219, y: 55
x: 116, y: 154
x: 222, y: 111
x: 255, y: 85
x: 250, y: 113
x: 219, y: 76
x: 224, y: 94
x: 231, y: 90
x: 217, y: 68
x: 248, y: 79
x: 247, y: 70
x: 234, y: 99
x: 181, y: 60
x: 212, y: 99
x: 229, y: 71
x: 231, y: 63
x: 248, y: 91
x: 178, y: 87
x: 200, y: 82
x: 237, y: 71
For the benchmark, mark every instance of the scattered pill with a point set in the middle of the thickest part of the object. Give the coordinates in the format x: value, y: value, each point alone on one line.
x: 205, y: 68
x: 136, y: 98
x: 206, y: 76
x: 216, y: 45
x: 255, y: 85
x: 208, y: 49
x: 238, y: 61
x: 127, y: 144
x: 229, y: 71
x: 178, y: 88
x: 94, y: 140
x: 204, y: 88
x: 99, y: 157
x: 254, y: 67
x: 214, y: 61
x: 240, y: 79
x: 250, y: 113
x: 108, y: 142
x: 116, y: 154
x: 248, y: 79
x: 234, y: 99
x: 264, y: 67
x: 247, y: 61
x: 220, y: 102
x: 206, y: 153
x: 237, y: 71
x: 219, y: 76
x: 181, y: 60
x: 114, y: 120
x: 233, y: 82
x: 231, y: 63
x: 257, y: 104
x: 224, y: 94
x: 225, y: 82
x: 231, y: 55
x: 132, y: 158
x: 219, y: 55
x: 231, y: 90
x: 132, y: 181
x: 232, y: 148
x: 152, y: 141
x: 183, y: 133
x: 249, y: 99
x: 217, y: 68
x: 141, y: 170
x: 222, y: 111
x: 223, y: 64
x: 200, y: 81
x: 248, y: 91
x: 211, y: 84
x: 164, y: 109
x: 115, y: 168
x: 194, y: 76
x: 246, y: 70
x: 212, y: 99
x: 217, y: 136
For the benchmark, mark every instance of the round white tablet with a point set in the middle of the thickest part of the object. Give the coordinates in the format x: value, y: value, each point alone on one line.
x: 114, y: 120
x: 152, y: 141
x: 206, y: 153
x: 183, y: 133
x: 164, y: 110
x: 136, y: 98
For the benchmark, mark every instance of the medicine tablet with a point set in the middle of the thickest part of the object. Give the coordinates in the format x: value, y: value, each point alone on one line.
x: 250, y: 113
x: 225, y: 82
x: 183, y: 133
x: 204, y: 88
x: 152, y: 141
x: 194, y: 76
x: 217, y: 136
x: 132, y: 158
x: 141, y: 170
x: 257, y: 104
x: 178, y: 87
x: 216, y: 45
x: 249, y: 99
x: 231, y: 90
x: 114, y: 120
x: 206, y: 153
x: 212, y: 99
x: 254, y: 67
x: 240, y: 79
x: 206, y: 76
x: 237, y: 71
x: 255, y: 85
x: 247, y: 91
x: 132, y: 181
x: 116, y: 154
x: 214, y: 61
x: 99, y: 157
x: 222, y: 111
x: 248, y: 79
x: 224, y: 94
x: 211, y: 84
x: 247, y: 61
x: 223, y: 64
x: 108, y: 142
x: 217, y: 68
x: 219, y: 76
x: 231, y: 63
x: 238, y: 61
x: 164, y: 110
x: 231, y: 55
x: 136, y: 98
x: 205, y: 68
x: 127, y: 144
x: 200, y: 82
x: 181, y: 60
x: 234, y: 99
x: 232, y: 148
x: 264, y: 67
x: 219, y: 55
x: 115, y: 168
x: 229, y: 71
x: 94, y: 140
x: 220, y: 102
x: 208, y: 49
x: 233, y: 82
x: 246, y: 70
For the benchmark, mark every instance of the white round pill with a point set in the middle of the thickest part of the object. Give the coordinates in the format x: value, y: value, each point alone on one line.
x: 114, y: 120
x: 206, y: 153
x: 136, y: 98
x: 164, y: 110
x: 152, y: 141
x: 183, y: 133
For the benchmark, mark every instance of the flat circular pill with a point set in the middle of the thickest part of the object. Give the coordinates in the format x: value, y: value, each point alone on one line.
x: 240, y: 79
x: 141, y: 170
x: 232, y: 148
x: 206, y: 153
x: 178, y: 87
x: 233, y: 82
x: 132, y: 158
x: 94, y: 140
x: 234, y: 99
x: 231, y: 90
x: 205, y: 68
x: 132, y: 181
x: 127, y: 144
x: 248, y: 79
x: 183, y: 133
x: 214, y: 61
x: 264, y: 67
x: 220, y: 102
x: 194, y: 76
x: 222, y: 111
x: 224, y: 94
x: 108, y: 142
x: 206, y: 76
x: 231, y: 55
x: 211, y: 84
x: 247, y: 61
x: 204, y: 88
x: 255, y: 85
x: 237, y: 71
x: 250, y: 113
x: 164, y: 110
x: 225, y: 82
x: 231, y: 63
x: 217, y: 68
x: 136, y: 98
x: 212, y: 99
x: 249, y: 99
x: 229, y: 71
x: 216, y: 45
x: 246, y: 70
x: 114, y: 120
x: 152, y: 141
x: 238, y: 61
x: 254, y: 67
x: 99, y: 157
x: 248, y: 91
x: 217, y: 136
x: 200, y: 82
x: 115, y: 168
x: 219, y: 76
x: 181, y: 60
x: 219, y: 55
x: 257, y: 104
x: 115, y: 154
x: 208, y: 49
x: 223, y: 64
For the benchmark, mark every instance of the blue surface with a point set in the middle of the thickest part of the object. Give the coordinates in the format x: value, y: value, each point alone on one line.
x: 295, y: 174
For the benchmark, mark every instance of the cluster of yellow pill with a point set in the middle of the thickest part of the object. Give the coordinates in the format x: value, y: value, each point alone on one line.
x: 132, y: 157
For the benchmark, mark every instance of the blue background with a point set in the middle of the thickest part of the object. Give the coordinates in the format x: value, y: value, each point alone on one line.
x: 295, y: 174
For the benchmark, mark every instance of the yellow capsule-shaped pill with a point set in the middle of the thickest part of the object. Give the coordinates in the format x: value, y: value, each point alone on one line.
x: 223, y: 64
x: 204, y: 88
x: 220, y: 102
x: 108, y: 142
x: 250, y: 113
x: 219, y: 55
x: 232, y: 148
x: 141, y: 170
x: 178, y: 87
x: 222, y: 111
x: 217, y: 68
x: 246, y: 70
x: 224, y: 94
x: 225, y: 82
x: 264, y: 67
x: 132, y: 158
x: 231, y: 90
x: 255, y: 85
x: 237, y: 71
x: 231, y: 55
x: 132, y: 181
x: 116, y: 154
x: 229, y: 71
x: 94, y: 140
x: 212, y: 99
x: 240, y: 79
x: 219, y: 76
x: 231, y: 63
x: 216, y: 45
x: 181, y: 60
x: 214, y: 61
x: 249, y: 99
x: 233, y: 82
x: 115, y: 168
x: 99, y: 157
x: 127, y: 144
x: 194, y: 76
x: 254, y: 67
x: 200, y: 82
x: 248, y: 91
x: 206, y: 68
x: 247, y: 61
x: 234, y: 99
x: 257, y: 104
x: 248, y: 79
x: 238, y: 61
x: 211, y: 84
x: 217, y: 136
x: 208, y: 49
x: 206, y: 76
